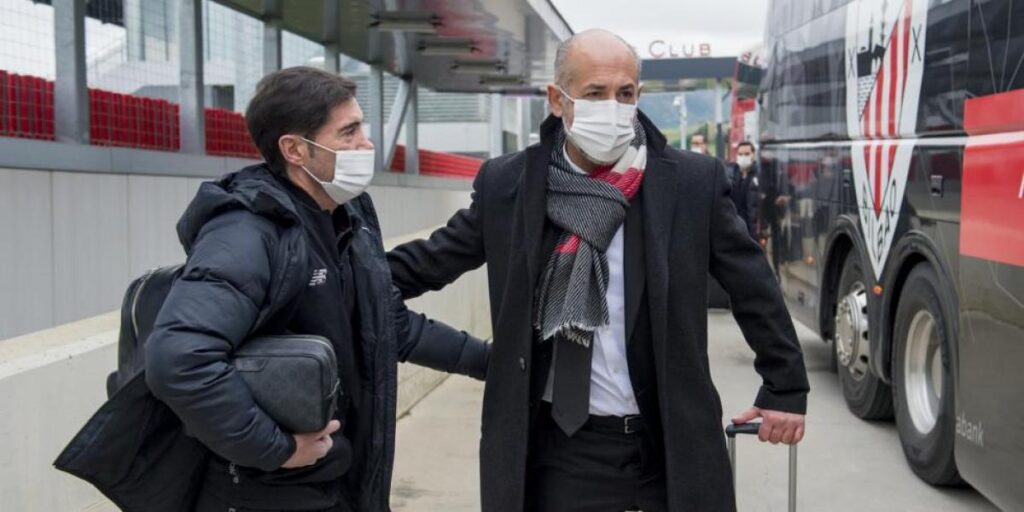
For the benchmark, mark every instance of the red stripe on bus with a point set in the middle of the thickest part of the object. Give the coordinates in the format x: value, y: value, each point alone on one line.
x: 992, y: 197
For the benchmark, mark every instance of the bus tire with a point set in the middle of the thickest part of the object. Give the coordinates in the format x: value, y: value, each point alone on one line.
x: 866, y: 395
x: 923, y: 387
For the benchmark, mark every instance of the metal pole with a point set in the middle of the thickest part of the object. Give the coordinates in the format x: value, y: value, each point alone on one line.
x: 331, y: 55
x: 190, y: 35
x: 524, y: 122
x: 271, y: 46
x: 497, y: 126
x: 718, y: 119
x: 412, y: 128
x: 331, y: 35
x: 71, y: 89
x: 377, y: 114
x: 393, y: 128
x: 792, y: 478
x: 732, y: 459
x: 271, y: 36
x: 682, y: 120
x: 135, y: 31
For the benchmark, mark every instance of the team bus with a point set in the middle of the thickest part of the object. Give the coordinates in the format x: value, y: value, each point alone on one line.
x: 891, y: 138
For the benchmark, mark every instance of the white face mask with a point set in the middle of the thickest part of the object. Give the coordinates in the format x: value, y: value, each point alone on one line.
x: 602, y: 129
x: 353, y: 170
x: 745, y: 161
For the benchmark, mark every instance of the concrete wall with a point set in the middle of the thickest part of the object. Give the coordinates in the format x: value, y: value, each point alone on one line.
x: 53, y: 380
x: 71, y: 241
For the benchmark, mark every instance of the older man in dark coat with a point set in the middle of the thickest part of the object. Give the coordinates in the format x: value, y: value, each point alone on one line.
x: 598, y: 242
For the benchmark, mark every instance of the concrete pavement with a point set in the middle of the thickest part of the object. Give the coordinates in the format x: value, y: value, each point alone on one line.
x: 845, y: 464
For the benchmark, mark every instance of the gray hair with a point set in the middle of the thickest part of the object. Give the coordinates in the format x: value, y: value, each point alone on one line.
x: 562, y: 75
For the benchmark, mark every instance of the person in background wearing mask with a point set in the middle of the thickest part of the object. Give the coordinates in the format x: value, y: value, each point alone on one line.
x: 598, y: 242
x: 746, y: 192
x: 698, y: 144
x: 298, y: 221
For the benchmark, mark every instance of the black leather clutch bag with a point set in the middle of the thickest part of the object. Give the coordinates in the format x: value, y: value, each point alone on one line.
x: 294, y: 378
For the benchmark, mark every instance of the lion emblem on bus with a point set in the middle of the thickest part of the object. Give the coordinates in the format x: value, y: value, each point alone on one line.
x: 884, y: 64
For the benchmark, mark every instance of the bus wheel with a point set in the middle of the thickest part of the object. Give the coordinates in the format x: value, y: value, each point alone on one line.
x: 867, y: 396
x: 923, y: 382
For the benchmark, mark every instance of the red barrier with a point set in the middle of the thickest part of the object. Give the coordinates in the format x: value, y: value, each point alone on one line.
x: 26, y: 107
x: 132, y: 121
x: 124, y: 120
x: 435, y: 163
x: 228, y: 135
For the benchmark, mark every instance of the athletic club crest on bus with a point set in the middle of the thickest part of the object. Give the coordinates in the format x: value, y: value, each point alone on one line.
x: 884, y: 62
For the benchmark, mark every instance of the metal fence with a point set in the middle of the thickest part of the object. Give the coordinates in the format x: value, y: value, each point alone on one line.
x: 132, y: 75
x: 27, y: 70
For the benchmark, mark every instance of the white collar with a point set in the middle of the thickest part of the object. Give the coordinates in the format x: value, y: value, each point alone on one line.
x: 577, y: 169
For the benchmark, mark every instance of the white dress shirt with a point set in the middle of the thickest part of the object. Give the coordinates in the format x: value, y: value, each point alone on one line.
x: 611, y: 391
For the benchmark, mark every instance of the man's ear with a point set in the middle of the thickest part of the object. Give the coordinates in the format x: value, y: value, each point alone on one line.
x: 292, y: 149
x: 555, y: 100
x: 639, y: 90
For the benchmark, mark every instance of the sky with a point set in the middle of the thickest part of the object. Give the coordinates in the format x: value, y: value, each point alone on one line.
x: 728, y: 27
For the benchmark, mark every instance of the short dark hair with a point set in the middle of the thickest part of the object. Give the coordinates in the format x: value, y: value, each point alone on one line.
x: 746, y: 143
x: 294, y: 100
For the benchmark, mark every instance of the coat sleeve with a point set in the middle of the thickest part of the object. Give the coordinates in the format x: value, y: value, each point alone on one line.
x: 739, y: 264
x: 208, y: 312
x: 429, y: 265
x: 436, y: 345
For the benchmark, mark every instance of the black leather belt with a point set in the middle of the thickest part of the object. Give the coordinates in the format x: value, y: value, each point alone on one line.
x: 621, y: 425
x: 616, y: 424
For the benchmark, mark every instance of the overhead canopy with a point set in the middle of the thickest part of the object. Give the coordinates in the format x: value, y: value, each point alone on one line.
x: 672, y: 75
x: 448, y: 45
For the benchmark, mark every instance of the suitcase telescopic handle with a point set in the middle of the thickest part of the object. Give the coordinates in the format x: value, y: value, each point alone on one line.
x: 743, y: 428
x: 732, y: 429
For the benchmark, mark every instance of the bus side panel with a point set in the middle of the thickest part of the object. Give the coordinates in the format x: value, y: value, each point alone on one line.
x: 990, y: 405
x: 990, y: 400
x: 789, y: 178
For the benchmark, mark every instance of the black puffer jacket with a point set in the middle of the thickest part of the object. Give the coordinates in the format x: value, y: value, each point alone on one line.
x: 247, y: 261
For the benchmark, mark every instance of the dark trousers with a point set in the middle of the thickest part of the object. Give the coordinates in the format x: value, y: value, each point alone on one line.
x: 209, y: 502
x: 601, y: 468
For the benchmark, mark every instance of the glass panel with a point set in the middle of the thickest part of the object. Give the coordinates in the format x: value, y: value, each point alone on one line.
x: 299, y: 51
x: 233, y: 49
x: 27, y: 69
x: 139, y: 55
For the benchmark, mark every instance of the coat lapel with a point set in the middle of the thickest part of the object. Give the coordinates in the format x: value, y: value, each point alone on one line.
x: 533, y: 209
x: 634, y: 262
x: 660, y: 195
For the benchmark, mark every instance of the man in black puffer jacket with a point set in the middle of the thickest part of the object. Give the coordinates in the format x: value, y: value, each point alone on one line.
x: 291, y: 245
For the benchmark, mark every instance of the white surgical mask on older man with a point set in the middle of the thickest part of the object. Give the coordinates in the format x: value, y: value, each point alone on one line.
x: 601, y: 129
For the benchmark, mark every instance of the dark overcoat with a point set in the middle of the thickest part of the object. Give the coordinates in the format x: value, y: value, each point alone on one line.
x: 682, y: 226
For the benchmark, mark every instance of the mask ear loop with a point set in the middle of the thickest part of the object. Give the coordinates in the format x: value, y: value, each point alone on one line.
x: 310, y: 173
x: 567, y: 96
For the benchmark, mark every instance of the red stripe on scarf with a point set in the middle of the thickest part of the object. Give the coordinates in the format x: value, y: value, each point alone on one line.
x: 570, y: 246
x: 628, y: 182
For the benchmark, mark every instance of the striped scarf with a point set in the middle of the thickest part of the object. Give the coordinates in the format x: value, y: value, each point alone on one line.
x: 589, y: 209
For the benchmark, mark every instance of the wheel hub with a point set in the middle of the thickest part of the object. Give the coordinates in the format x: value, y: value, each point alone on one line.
x: 851, y: 339
x: 923, y: 372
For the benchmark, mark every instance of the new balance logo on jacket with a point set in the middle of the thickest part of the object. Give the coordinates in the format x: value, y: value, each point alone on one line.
x: 319, y: 277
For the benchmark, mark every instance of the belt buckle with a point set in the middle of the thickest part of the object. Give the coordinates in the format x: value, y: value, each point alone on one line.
x: 629, y: 424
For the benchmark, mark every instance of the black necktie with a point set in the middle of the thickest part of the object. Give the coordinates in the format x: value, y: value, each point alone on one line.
x: 570, y: 395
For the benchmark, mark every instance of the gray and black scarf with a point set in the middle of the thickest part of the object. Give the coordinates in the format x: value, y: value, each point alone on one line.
x: 589, y: 209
